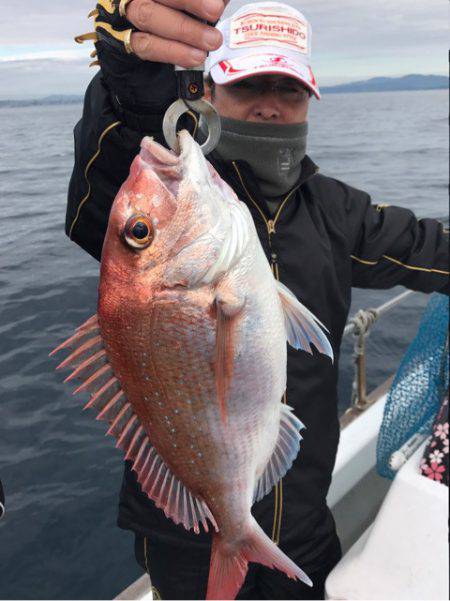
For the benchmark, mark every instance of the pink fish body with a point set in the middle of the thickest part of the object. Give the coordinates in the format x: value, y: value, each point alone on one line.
x: 186, y: 357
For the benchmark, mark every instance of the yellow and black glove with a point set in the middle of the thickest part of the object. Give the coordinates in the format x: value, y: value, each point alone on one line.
x: 111, y: 27
x: 144, y: 87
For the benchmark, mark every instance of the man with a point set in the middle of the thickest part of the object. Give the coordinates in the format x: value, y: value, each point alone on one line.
x: 321, y: 237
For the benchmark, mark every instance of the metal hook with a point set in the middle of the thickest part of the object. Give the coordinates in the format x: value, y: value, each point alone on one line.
x: 203, y: 108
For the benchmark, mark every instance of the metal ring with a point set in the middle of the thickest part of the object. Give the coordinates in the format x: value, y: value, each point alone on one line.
x: 123, y: 8
x: 127, y: 41
x: 203, y: 108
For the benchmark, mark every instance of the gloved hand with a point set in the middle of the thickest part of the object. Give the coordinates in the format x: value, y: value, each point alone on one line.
x: 2, y: 501
x: 160, y: 31
x: 138, y: 41
x: 111, y: 26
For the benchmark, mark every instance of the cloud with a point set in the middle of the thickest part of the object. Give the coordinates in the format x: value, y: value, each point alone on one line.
x: 38, y: 55
x: 352, y: 39
x: 357, y: 39
x: 44, y: 21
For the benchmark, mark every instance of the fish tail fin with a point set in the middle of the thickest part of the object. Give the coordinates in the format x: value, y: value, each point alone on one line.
x: 259, y: 548
x: 229, y: 564
x: 227, y: 570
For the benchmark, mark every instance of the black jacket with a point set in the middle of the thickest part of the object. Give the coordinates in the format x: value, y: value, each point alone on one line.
x: 326, y: 238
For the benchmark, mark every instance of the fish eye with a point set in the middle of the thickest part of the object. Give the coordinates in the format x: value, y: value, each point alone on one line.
x: 139, y: 232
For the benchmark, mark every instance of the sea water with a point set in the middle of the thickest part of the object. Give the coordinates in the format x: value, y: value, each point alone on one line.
x: 61, y: 476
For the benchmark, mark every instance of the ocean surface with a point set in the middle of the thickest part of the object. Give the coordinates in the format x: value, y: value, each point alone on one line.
x: 61, y: 476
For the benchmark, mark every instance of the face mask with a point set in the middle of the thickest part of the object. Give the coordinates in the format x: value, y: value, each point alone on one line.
x: 273, y: 151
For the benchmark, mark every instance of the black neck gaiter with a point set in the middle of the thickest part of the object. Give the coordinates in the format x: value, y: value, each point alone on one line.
x: 273, y: 151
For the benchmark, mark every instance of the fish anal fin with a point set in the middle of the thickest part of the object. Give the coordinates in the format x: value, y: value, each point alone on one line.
x: 168, y: 492
x: 285, y: 451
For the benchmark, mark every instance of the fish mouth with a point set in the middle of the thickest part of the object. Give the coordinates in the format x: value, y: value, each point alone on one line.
x: 164, y: 163
x: 171, y: 168
x: 155, y: 154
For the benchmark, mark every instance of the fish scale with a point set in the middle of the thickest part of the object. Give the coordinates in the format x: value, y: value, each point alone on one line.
x: 186, y: 357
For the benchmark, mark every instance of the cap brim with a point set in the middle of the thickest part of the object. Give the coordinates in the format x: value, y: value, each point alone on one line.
x: 230, y: 71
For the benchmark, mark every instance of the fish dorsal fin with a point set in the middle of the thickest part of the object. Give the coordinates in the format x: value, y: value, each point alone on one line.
x: 286, y: 450
x: 88, y: 358
x: 302, y: 327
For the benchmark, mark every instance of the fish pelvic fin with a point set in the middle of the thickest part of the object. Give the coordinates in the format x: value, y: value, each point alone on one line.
x: 229, y: 562
x: 302, y: 327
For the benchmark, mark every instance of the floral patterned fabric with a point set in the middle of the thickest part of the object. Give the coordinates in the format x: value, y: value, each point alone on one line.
x: 434, y: 464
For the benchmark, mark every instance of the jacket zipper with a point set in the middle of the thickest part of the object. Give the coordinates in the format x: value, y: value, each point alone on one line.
x: 271, y: 230
x: 270, y: 223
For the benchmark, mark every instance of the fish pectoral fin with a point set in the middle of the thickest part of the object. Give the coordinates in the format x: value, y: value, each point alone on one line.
x: 228, y: 307
x: 286, y: 450
x: 302, y: 327
x: 107, y: 397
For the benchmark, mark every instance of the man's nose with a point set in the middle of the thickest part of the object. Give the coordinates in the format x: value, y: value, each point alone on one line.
x: 266, y: 108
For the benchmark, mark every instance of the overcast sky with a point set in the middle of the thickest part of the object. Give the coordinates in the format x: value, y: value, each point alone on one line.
x: 352, y: 39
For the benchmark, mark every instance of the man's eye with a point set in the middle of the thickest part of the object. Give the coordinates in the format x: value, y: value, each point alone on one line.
x: 243, y: 86
x: 291, y: 89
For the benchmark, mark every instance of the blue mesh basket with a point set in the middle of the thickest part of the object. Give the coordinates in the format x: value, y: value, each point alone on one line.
x: 419, y: 385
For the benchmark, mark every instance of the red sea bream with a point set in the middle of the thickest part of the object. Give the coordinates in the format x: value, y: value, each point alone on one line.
x: 186, y: 356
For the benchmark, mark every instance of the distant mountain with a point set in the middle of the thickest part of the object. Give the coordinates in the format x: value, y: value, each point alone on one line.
x: 55, y: 99
x: 391, y: 84
x: 376, y: 84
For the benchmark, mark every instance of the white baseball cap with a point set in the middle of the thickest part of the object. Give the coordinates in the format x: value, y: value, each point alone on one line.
x: 263, y: 38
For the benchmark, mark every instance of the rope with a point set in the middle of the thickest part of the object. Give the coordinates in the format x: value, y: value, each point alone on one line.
x: 384, y: 308
x: 361, y: 324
